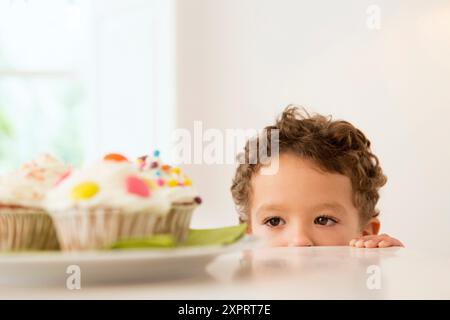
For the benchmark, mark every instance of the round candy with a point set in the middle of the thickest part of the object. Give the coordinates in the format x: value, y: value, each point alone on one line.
x: 165, y: 167
x: 137, y: 186
x: 172, y: 183
x: 198, y: 200
x: 143, y: 158
x: 115, y: 157
x: 175, y: 170
x: 187, y: 182
x: 154, y: 165
x: 85, y: 191
x: 156, y: 153
x: 160, y: 182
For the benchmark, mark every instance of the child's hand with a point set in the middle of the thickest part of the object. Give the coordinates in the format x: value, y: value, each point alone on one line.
x: 375, y: 241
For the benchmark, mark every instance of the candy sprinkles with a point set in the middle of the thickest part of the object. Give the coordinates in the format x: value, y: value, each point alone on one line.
x: 157, y: 175
x: 163, y: 174
x: 145, y: 195
x: 63, y: 177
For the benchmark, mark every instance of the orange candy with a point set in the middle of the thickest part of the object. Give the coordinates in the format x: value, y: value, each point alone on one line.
x: 115, y: 157
x: 165, y: 167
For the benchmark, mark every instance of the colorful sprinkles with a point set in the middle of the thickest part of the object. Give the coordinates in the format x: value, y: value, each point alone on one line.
x: 164, y: 176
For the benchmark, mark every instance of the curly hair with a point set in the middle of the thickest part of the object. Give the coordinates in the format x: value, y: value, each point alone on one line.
x: 335, y: 146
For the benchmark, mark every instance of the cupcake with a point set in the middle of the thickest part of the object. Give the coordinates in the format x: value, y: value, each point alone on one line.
x: 177, y: 187
x: 106, y: 202
x: 24, y: 223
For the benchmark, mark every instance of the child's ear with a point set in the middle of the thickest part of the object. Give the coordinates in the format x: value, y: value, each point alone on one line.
x: 372, y: 227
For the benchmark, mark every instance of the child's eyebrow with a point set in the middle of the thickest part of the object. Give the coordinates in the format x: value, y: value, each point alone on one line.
x: 335, y: 206
x: 269, y: 207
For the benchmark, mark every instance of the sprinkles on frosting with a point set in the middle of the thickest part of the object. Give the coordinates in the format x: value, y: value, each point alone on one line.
x: 158, y: 175
x: 163, y: 174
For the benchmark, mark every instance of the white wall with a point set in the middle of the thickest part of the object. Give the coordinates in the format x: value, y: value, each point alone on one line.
x: 134, y: 49
x: 241, y: 61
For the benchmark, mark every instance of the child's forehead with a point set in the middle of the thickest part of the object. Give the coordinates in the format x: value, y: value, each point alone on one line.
x: 295, y: 174
x: 299, y: 182
x: 326, y: 205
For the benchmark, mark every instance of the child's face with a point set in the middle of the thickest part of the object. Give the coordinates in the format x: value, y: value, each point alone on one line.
x: 302, y: 205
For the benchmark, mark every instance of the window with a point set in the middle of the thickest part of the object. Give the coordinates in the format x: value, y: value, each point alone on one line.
x: 79, y: 78
x: 43, y: 95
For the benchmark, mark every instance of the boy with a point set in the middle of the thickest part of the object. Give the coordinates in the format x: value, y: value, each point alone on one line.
x: 324, y: 192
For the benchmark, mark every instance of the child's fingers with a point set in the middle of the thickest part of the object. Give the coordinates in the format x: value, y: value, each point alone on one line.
x: 391, y: 242
x: 372, y: 243
x: 358, y: 241
x: 353, y: 242
x: 375, y: 241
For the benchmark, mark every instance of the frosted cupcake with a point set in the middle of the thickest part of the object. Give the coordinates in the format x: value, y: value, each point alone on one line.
x: 177, y: 187
x: 24, y: 223
x: 109, y: 201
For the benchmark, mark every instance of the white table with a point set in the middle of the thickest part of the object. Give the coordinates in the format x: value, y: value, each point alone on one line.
x: 283, y: 273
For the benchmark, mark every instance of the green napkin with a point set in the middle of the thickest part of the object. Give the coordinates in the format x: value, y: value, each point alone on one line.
x: 196, y: 238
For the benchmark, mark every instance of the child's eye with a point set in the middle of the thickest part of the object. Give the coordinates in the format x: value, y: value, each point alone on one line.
x: 325, y: 221
x: 274, y: 222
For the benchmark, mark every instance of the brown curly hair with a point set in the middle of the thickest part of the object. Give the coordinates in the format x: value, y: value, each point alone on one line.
x: 336, y: 146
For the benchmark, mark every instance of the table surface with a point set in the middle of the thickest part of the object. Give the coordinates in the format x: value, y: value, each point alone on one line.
x: 281, y: 273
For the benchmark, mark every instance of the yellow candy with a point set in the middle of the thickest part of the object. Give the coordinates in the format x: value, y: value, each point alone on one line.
x: 187, y: 182
x: 85, y: 191
x: 172, y: 183
x: 176, y: 170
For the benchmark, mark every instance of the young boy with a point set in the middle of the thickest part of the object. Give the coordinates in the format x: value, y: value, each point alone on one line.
x: 324, y: 191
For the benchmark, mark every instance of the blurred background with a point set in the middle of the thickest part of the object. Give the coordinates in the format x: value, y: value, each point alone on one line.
x: 80, y: 78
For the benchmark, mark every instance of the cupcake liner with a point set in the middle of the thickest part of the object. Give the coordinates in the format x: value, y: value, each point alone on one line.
x: 26, y: 229
x: 178, y: 221
x: 99, y: 228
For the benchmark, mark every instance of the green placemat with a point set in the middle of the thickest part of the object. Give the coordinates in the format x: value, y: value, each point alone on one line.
x: 196, y: 238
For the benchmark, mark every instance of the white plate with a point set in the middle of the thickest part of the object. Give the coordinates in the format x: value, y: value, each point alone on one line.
x: 110, y: 266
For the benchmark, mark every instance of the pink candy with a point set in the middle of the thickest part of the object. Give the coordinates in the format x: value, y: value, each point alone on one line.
x: 63, y: 177
x: 137, y: 187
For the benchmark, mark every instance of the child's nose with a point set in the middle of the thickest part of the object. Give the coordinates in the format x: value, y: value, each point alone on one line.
x: 300, y: 243
x: 299, y: 238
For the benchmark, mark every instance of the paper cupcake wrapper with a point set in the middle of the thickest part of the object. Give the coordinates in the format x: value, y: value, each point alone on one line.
x: 177, y: 222
x: 93, y: 229
x: 24, y: 229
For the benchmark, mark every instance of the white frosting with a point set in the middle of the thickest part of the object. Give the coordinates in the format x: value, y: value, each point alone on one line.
x: 111, y: 179
x: 28, y: 185
x: 178, y: 194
